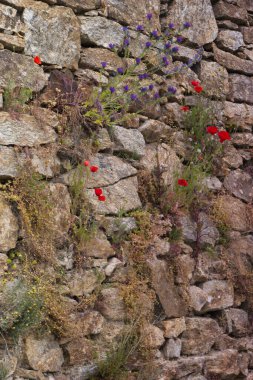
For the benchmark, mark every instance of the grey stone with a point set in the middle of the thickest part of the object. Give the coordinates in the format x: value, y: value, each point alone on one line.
x: 209, y: 267
x: 242, y: 140
x: 111, y: 305
x: 220, y: 293
x: 26, y: 130
x: 208, y: 232
x: 200, y: 14
x: 198, y: 298
x: 173, y: 327
x: 84, y: 282
x: 232, y: 157
x: 121, y: 196
x: 100, y: 31
x: 80, y: 5
x: 132, y: 13
x: 241, y: 88
x: 99, y: 247
x: 22, y: 71
x: 152, y: 336
x: 240, y: 115
x: 240, y: 184
x: 248, y: 34
x: 114, y: 226
x: 92, y: 57
x: 128, y: 141
x: 112, y: 265
x: 155, y: 131
x: 172, y: 349
x: 237, y: 322
x: 230, y: 40
x: 169, y: 294
x: 8, y: 227
x: 12, y: 42
x: 194, y: 343
x: 9, y: 19
x: 214, y: 78
x: 189, y: 229
x: 212, y: 183
x: 44, y: 354
x: 64, y: 51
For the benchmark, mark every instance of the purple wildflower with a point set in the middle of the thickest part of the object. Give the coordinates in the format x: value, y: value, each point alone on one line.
x: 145, y: 76
x: 138, y: 61
x: 149, y: 16
x: 133, y: 96
x: 187, y: 24
x: 112, y: 89
x: 151, y: 86
x: 165, y: 61
x: 140, y: 28
x: 167, y: 45
x: 126, y: 42
x: 104, y: 64
x: 148, y: 44
x: 120, y: 70
x: 172, y: 90
x: 141, y: 76
x: 126, y: 88
x: 171, y: 25
x: 144, y: 89
x: 175, y: 49
x: 156, y: 95
x: 125, y: 29
x: 154, y: 33
x: 111, y: 46
x: 179, y: 39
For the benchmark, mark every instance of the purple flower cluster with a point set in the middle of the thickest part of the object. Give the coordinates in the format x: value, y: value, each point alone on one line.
x: 172, y: 90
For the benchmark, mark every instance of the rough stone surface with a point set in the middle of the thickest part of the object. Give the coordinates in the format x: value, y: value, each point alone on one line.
x: 111, y: 304
x: 122, y: 195
x: 223, y: 364
x: 132, y: 13
x: 243, y: 140
x: 79, y: 5
x: 189, y: 228
x: 169, y: 294
x: 62, y: 22
x: 237, y: 322
x: 232, y: 157
x: 208, y: 232
x: 26, y: 130
x: 172, y: 349
x: 129, y: 141
x: 241, y: 88
x: 91, y: 58
x: 240, y: 115
x: 230, y: 40
x: 83, y: 282
x: 167, y: 159
x: 173, y: 327
x: 152, y: 336
x: 44, y: 354
x: 220, y: 293
x: 155, y: 131
x: 223, y: 10
x: 240, y: 184
x: 9, y: 19
x: 198, y: 298
x: 214, y: 78
x: 79, y: 351
x: 193, y: 344
x: 238, y: 215
x: 100, y: 32
x: 200, y: 14
x: 248, y: 34
x: 12, y: 42
x: 99, y: 247
x: 232, y: 62
x: 21, y: 70
x: 8, y: 227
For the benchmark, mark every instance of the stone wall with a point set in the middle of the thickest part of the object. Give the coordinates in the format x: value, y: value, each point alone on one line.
x: 201, y: 327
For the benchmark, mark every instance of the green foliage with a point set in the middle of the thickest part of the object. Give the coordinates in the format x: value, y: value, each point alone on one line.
x: 15, y: 97
x: 84, y: 227
x: 175, y: 234
x: 3, y: 371
x: 21, y: 308
x: 113, y: 366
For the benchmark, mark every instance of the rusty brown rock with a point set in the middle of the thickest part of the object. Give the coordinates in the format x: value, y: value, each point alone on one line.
x: 224, y: 364
x: 220, y: 295
x: 240, y: 115
x: 194, y: 343
x: 223, y: 10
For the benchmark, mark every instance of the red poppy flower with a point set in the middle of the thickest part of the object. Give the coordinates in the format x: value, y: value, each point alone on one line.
x: 182, y: 182
x: 212, y: 130
x: 93, y: 169
x: 86, y: 163
x: 224, y: 135
x: 98, y: 192
x: 101, y: 198
x: 195, y: 83
x: 198, y: 89
x: 37, y: 60
x: 185, y: 108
